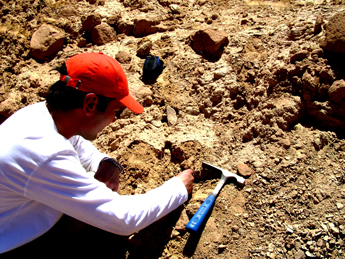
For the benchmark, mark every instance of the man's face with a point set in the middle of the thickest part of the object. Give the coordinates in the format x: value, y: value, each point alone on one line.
x: 102, y: 119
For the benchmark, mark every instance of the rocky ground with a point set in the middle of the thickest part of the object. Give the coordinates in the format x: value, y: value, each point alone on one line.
x: 263, y: 98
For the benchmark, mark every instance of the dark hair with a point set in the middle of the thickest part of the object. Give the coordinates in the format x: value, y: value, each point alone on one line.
x: 63, y: 97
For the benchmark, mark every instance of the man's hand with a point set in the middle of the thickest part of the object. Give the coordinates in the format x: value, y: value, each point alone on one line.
x: 108, y: 174
x: 187, y: 178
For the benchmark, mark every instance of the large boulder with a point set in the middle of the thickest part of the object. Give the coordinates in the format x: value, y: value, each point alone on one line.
x: 144, y: 26
x: 91, y: 22
x: 45, y: 42
x: 209, y: 42
x: 336, y: 93
x: 124, y: 26
x: 102, y: 34
x: 331, y: 113
x: 284, y: 111
x: 335, y: 34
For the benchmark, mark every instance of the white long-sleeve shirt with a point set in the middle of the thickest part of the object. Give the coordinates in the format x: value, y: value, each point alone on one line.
x: 43, y: 176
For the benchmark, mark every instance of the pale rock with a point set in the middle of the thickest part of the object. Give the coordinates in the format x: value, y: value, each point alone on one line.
x: 340, y: 205
x: 300, y: 254
x: 175, y: 8
x: 333, y: 229
x: 171, y: 115
x: 221, y: 72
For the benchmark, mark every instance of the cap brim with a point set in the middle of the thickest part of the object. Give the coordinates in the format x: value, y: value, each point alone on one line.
x: 132, y: 104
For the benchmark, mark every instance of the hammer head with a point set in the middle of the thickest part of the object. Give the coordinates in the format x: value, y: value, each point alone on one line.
x: 239, y: 180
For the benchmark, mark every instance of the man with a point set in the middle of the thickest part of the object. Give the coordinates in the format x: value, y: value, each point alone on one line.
x: 45, y: 156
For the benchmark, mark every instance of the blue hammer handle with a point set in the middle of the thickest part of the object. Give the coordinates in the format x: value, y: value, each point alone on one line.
x: 199, y: 217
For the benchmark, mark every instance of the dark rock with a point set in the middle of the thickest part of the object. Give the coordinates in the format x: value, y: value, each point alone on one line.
x: 336, y: 93
x: 300, y: 55
x: 209, y: 42
x: 103, y: 34
x: 144, y: 47
x: 144, y: 26
x: 318, y: 52
x: 45, y: 42
x: 112, y: 20
x: 91, y: 22
x: 318, y: 24
x: 124, y: 27
x: 335, y: 34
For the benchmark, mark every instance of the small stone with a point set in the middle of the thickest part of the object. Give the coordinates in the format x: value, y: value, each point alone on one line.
x: 235, y: 228
x: 144, y: 48
x: 175, y: 9
x: 298, y: 245
x: 219, y: 73
x: 324, y: 227
x: 309, y: 255
x: 340, y: 205
x: 123, y: 57
x: 241, y: 231
x: 244, y: 170
x: 300, y: 55
x: 299, y: 254
x: 156, y: 123
x: 91, y: 21
x: 175, y: 233
x: 334, y: 230
x: 235, y: 236
x: 289, y: 229
x: 46, y: 42
x: 172, y: 117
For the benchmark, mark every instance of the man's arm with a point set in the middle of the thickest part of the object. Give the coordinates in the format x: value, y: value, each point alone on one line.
x: 68, y: 189
x: 109, y: 174
x: 89, y: 155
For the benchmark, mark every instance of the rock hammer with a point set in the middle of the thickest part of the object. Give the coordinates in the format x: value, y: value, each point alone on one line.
x: 199, y: 217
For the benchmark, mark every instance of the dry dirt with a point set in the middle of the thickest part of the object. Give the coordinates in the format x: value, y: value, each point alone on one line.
x: 228, y: 112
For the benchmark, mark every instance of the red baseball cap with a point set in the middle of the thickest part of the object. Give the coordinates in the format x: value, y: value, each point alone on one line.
x: 100, y: 74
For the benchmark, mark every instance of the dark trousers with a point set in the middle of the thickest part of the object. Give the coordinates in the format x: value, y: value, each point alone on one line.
x: 70, y: 238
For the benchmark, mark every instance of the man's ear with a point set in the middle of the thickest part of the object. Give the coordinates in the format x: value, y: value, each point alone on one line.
x: 90, y: 104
